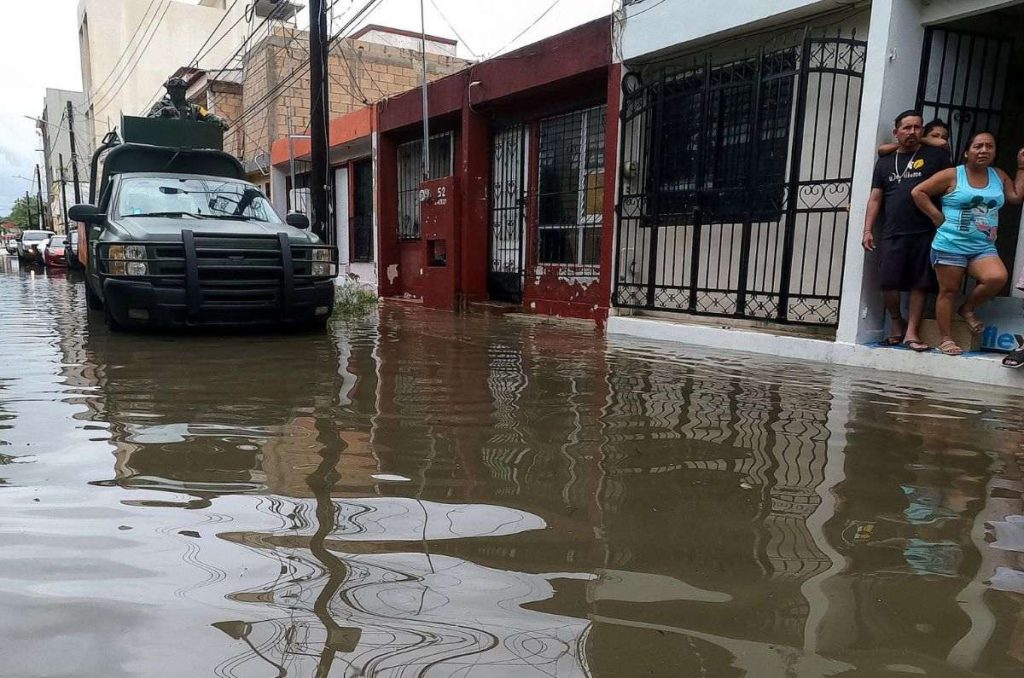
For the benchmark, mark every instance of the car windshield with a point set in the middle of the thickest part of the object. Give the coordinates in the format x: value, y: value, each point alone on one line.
x: 35, y: 235
x: 196, y: 197
x: 57, y: 241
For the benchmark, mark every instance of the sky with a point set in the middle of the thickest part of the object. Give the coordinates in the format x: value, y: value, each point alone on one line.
x: 40, y: 41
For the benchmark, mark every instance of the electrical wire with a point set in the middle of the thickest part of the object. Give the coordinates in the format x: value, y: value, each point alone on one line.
x: 448, y: 23
x: 300, y: 70
x: 127, y: 46
x: 107, y: 98
x: 244, y: 46
x: 529, y: 26
x: 194, y: 61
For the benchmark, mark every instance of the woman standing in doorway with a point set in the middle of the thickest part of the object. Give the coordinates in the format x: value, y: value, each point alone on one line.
x: 972, y: 195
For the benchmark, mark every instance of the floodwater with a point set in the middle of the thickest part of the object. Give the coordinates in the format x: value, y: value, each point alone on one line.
x: 419, y: 493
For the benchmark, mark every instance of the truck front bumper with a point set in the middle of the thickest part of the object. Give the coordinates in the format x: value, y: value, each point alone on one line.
x: 139, y: 303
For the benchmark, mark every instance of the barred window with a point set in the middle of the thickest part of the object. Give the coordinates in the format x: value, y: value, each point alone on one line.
x: 720, y: 155
x: 571, y: 188
x: 410, y: 171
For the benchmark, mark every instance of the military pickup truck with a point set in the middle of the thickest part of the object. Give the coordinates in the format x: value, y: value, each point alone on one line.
x: 179, y: 238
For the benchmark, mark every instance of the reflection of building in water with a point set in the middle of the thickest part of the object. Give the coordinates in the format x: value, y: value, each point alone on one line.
x: 677, y: 502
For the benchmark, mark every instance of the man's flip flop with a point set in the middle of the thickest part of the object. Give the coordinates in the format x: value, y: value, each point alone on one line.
x: 916, y: 346
x: 892, y: 341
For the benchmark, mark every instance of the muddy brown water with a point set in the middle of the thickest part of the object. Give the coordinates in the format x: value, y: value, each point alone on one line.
x: 424, y: 494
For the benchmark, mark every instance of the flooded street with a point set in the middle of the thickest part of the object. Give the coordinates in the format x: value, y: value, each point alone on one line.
x: 420, y: 493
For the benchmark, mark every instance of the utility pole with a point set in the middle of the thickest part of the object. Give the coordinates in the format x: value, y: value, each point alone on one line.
x: 423, y: 88
x: 319, y: 105
x: 74, y: 155
x: 39, y: 198
x: 63, y: 192
x: 28, y: 208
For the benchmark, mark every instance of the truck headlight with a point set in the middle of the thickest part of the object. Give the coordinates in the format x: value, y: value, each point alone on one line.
x: 124, y: 260
x: 126, y: 252
x: 323, y: 269
x: 323, y: 262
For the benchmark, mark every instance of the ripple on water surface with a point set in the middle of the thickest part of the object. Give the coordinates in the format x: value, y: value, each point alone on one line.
x: 418, y: 492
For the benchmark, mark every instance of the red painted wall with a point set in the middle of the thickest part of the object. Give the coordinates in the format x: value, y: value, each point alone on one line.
x: 566, y: 72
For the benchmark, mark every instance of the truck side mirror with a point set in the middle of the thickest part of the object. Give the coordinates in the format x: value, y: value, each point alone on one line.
x: 87, y: 214
x: 298, y: 220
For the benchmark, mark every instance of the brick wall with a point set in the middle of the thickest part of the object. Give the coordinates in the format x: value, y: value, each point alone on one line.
x: 360, y: 73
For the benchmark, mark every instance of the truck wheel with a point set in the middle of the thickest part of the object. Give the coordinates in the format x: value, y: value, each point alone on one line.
x: 112, y: 324
x: 95, y: 303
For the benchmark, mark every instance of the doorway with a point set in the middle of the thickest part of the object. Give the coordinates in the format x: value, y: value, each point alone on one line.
x: 508, y: 211
x: 362, y: 220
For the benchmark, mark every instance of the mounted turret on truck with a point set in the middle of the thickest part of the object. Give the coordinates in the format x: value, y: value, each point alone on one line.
x: 179, y: 238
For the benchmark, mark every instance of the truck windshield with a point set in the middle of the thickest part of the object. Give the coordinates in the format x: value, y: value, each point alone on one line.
x: 203, y: 198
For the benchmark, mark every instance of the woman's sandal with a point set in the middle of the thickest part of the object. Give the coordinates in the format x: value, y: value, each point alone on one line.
x: 1015, y: 359
x: 949, y: 347
x: 977, y: 326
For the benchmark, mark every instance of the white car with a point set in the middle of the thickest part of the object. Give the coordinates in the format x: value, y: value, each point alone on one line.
x: 31, y: 245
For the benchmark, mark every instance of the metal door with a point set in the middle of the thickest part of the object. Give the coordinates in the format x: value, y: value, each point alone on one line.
x: 362, y: 223
x: 735, y: 183
x: 964, y: 80
x: 508, y: 211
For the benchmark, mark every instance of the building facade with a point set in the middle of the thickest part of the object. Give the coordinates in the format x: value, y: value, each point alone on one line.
x: 749, y: 136
x: 128, y: 48
x: 59, y: 170
x: 517, y: 207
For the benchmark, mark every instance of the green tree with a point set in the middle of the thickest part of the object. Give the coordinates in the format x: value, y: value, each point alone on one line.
x: 24, y: 214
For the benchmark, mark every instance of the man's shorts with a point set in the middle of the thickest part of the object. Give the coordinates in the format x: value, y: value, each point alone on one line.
x: 906, y: 263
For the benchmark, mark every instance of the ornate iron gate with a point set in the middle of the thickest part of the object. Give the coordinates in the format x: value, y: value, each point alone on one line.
x: 508, y: 205
x: 963, y: 80
x: 735, y: 183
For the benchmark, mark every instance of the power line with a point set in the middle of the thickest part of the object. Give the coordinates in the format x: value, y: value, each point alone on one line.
x: 450, y: 26
x: 127, y: 46
x: 529, y: 26
x: 238, y: 52
x: 128, y: 71
x: 300, y: 70
x: 195, y: 59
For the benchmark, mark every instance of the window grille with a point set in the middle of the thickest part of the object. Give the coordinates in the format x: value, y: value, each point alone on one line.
x: 410, y: 172
x: 571, y: 189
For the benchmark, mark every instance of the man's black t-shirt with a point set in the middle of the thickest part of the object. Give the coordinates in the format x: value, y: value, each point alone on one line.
x: 897, y: 174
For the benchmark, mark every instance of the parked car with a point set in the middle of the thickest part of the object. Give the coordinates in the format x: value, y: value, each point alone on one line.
x: 54, y: 253
x: 71, y: 250
x: 31, y: 244
x: 12, y: 245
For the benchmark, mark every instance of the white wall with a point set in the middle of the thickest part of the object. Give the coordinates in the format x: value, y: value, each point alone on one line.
x: 655, y: 25
x: 139, y: 44
x: 937, y: 11
x: 407, y: 42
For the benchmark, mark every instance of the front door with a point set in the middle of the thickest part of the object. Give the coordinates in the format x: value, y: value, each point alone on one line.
x: 362, y: 222
x: 508, y: 209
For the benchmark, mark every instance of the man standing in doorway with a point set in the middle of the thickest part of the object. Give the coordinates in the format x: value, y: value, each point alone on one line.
x: 906, y: 232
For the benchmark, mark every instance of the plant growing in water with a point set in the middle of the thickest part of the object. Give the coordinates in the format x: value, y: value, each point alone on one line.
x: 353, y: 301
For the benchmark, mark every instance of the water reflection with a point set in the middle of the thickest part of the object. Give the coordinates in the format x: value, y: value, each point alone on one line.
x: 571, y: 509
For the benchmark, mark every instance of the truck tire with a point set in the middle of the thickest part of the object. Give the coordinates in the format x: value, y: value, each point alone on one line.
x: 111, y: 324
x: 95, y: 303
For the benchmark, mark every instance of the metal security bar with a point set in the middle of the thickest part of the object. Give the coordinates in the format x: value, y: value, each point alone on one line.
x: 735, y: 183
x: 963, y: 81
x: 410, y: 174
x: 570, y: 190
x: 508, y: 212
